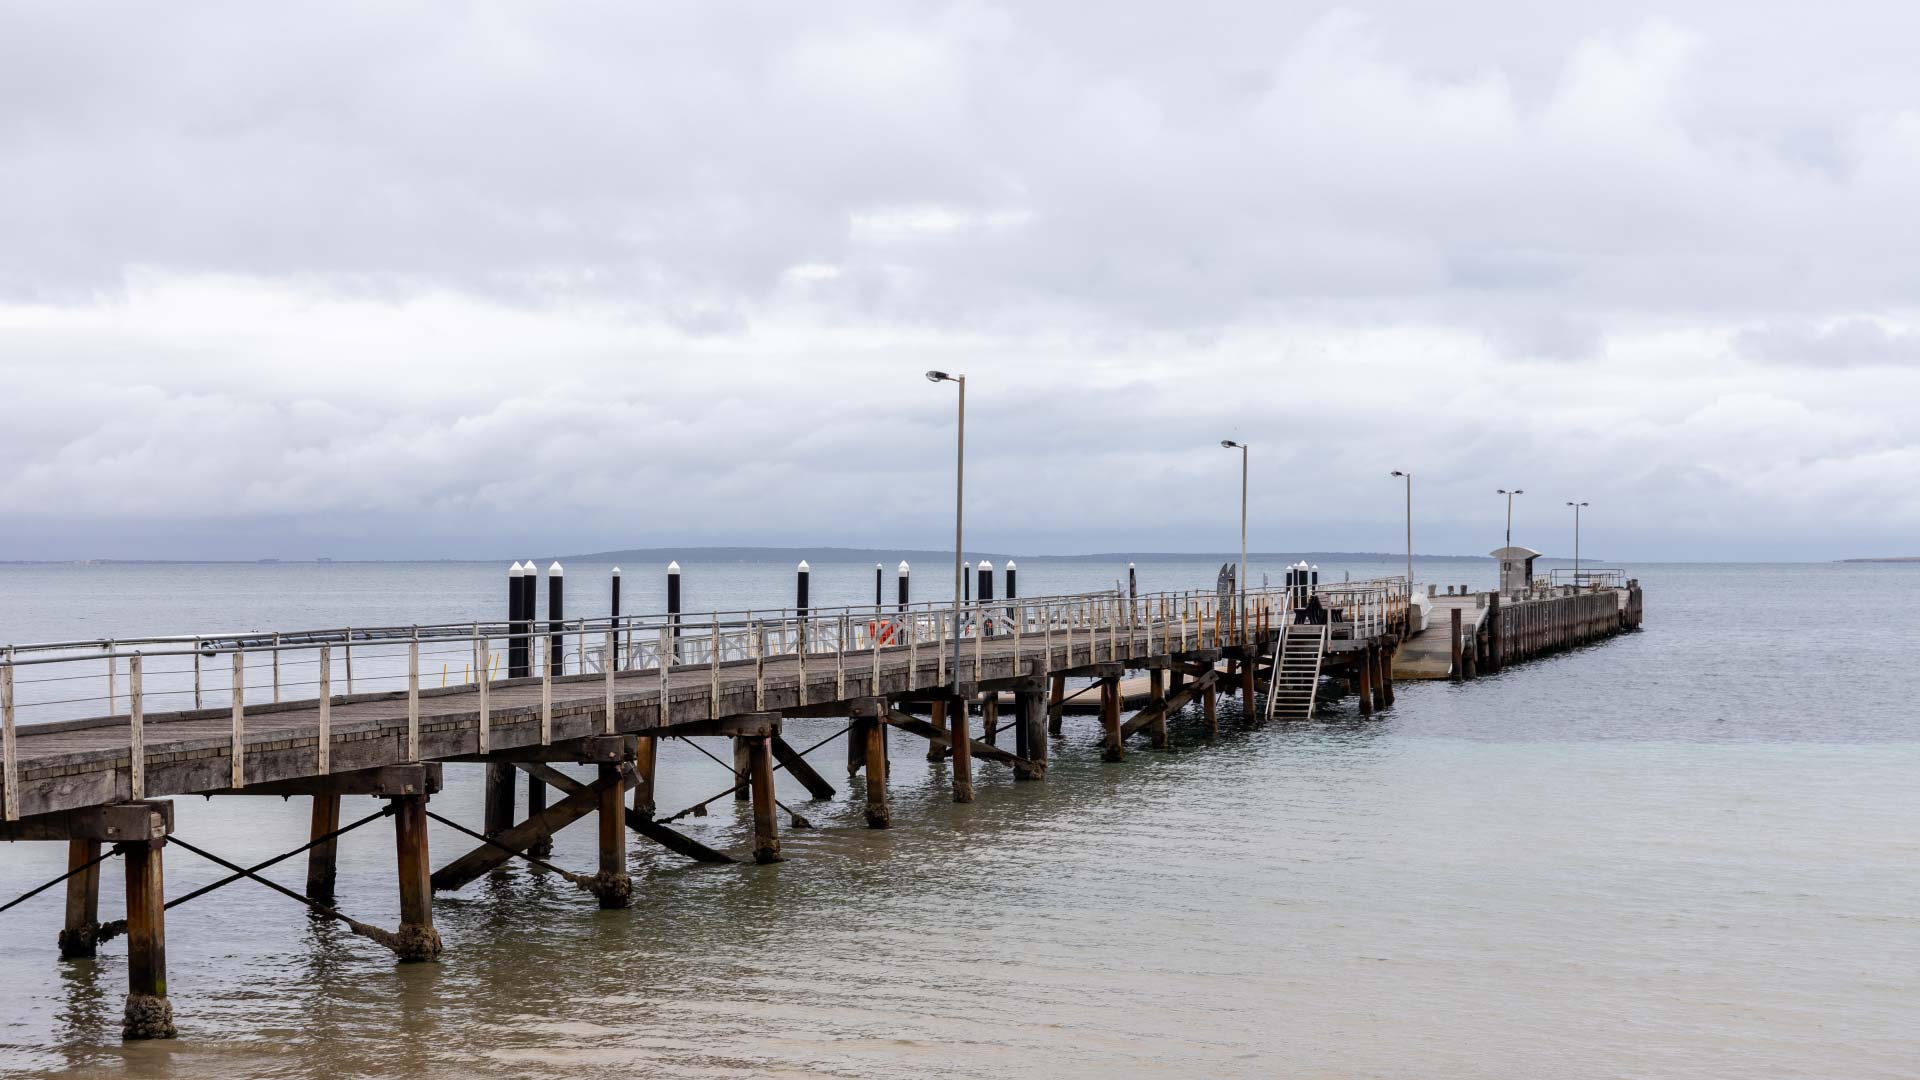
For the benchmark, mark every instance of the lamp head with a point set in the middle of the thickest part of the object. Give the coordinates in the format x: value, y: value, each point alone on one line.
x: 1229, y: 444
x: 1397, y: 472
x: 939, y: 376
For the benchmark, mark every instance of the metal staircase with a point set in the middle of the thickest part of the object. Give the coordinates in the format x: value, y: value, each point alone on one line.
x: 1296, y: 672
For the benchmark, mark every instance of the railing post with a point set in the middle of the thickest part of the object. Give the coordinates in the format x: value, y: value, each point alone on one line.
x: 8, y: 747
x: 713, y: 668
x: 276, y: 667
x: 113, y: 665
x: 413, y: 696
x: 663, y: 647
x: 136, y: 733
x: 239, y: 752
x: 546, y: 695
x: 481, y: 659
x: 323, y: 744
x: 608, y: 664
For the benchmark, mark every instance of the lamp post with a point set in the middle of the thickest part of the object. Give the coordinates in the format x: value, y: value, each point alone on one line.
x: 959, y: 506
x: 1576, y: 542
x: 1242, y: 447
x: 1509, y: 495
x: 1408, y: 477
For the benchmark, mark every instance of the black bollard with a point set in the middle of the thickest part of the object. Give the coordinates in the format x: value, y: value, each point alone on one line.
x: 614, y: 660
x: 879, y: 597
x: 556, y: 605
x: 1133, y: 582
x: 800, y: 600
x: 673, y: 606
x: 516, y: 644
x: 903, y: 584
x: 985, y: 595
x: 529, y: 592
x: 1013, y: 591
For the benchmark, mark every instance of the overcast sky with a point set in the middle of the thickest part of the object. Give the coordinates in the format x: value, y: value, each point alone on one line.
x: 426, y: 280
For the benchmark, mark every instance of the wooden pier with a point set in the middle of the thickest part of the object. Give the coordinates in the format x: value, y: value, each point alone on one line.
x: 603, y: 692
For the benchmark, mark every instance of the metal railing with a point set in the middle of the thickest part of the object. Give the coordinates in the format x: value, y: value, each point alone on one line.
x: 111, y: 681
x: 1588, y: 578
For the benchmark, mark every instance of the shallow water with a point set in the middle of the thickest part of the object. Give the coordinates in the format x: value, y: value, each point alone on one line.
x: 1684, y: 853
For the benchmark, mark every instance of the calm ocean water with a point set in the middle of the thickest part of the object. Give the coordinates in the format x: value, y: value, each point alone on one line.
x: 1689, y: 852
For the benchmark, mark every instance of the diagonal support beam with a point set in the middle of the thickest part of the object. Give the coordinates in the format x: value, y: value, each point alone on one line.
x: 673, y: 840
x: 792, y: 760
x: 1174, y: 703
x: 482, y: 860
x: 910, y: 723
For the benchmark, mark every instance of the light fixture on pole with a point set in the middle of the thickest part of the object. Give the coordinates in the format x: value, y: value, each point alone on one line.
x: 1576, y: 542
x: 1509, y: 495
x: 959, y: 506
x: 1242, y: 581
x: 1409, y: 479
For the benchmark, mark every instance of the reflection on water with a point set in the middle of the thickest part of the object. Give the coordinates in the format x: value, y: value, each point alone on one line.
x: 1626, y: 861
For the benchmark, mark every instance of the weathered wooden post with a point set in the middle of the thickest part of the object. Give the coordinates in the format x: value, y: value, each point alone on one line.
x: 879, y: 814
x: 1364, y: 664
x: 1157, y: 700
x: 742, y: 768
x: 645, y: 757
x: 417, y: 939
x: 962, y: 745
x: 80, y: 937
x: 990, y: 718
x: 323, y: 856
x: 1457, y: 673
x: 1386, y: 671
x: 148, y: 1014
x: 1496, y: 641
x: 766, y: 825
x: 1031, y: 706
x: 1210, y: 707
x: 611, y: 886
x: 1115, y: 748
x: 938, y: 720
x: 1056, y: 703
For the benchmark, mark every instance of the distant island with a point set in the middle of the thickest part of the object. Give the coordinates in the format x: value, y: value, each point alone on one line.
x: 1888, y: 558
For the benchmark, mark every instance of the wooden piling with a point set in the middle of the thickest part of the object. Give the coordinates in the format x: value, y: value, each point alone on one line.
x: 990, y: 719
x: 1377, y: 673
x: 80, y: 937
x: 322, y: 857
x: 1247, y: 690
x: 1363, y: 664
x: 1210, y: 707
x: 1455, y: 672
x: 742, y: 764
x: 1030, y: 745
x: 1115, y: 749
x: 879, y: 814
x: 499, y: 797
x: 766, y: 824
x: 1056, y: 709
x: 646, y: 756
x: 1386, y: 672
x: 961, y: 741
x: 537, y: 805
x: 417, y: 939
x: 1157, y: 699
x: 937, y: 750
x: 611, y: 886
x: 148, y: 1013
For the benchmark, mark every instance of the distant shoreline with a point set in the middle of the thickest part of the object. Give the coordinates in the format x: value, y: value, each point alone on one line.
x: 1887, y: 558
x: 821, y: 554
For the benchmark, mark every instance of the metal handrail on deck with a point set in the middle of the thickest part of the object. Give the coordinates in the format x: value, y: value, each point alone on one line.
x: 66, y: 677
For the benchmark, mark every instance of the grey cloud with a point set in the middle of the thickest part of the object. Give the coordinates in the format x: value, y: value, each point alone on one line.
x: 1848, y: 343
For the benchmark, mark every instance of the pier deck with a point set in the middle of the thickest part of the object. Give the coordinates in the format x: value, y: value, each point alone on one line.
x: 604, y: 691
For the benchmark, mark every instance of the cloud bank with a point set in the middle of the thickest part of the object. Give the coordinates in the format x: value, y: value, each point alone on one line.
x: 436, y: 279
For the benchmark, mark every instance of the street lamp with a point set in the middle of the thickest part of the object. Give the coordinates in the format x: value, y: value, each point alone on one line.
x: 959, y: 505
x: 1409, y: 479
x: 1509, y: 495
x: 1576, y: 542
x: 1242, y: 447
